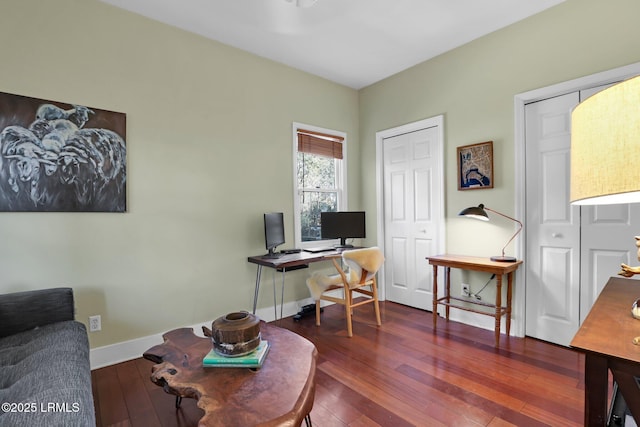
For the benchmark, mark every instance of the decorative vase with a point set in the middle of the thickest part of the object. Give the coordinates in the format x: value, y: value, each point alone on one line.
x: 635, y: 309
x: 234, y: 334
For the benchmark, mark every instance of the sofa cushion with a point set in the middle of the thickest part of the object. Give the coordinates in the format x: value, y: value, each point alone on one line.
x: 21, y: 311
x: 46, y: 372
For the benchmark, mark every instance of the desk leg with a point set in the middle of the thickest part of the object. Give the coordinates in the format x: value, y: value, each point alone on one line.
x: 498, y: 308
x: 596, y: 388
x: 434, y: 308
x: 275, y: 302
x: 275, y: 295
x: 257, y: 289
x: 282, y: 292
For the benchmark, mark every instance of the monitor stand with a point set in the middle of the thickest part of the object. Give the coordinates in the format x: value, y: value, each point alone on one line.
x: 272, y: 254
x: 343, y: 244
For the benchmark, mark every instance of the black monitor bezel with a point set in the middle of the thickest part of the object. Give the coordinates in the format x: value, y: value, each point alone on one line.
x: 340, y: 225
x: 273, y: 239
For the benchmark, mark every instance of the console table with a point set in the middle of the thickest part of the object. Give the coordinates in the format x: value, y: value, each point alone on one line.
x: 606, y: 337
x: 475, y: 264
x: 280, y: 393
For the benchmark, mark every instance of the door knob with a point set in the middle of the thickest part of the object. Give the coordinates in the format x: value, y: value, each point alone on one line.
x: 556, y: 235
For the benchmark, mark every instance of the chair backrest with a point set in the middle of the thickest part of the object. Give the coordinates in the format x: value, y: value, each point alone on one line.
x: 369, y: 259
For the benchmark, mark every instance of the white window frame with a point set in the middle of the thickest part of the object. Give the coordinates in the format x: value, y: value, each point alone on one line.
x: 341, y: 180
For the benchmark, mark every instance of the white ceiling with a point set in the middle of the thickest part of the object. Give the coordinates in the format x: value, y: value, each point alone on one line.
x: 351, y: 42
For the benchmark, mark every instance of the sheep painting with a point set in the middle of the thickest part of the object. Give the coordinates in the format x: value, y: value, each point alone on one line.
x: 58, y: 157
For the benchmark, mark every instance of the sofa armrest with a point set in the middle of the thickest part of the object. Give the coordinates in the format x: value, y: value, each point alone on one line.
x: 21, y: 311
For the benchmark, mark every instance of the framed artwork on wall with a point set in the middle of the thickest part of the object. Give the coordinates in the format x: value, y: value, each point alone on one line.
x: 59, y: 157
x: 475, y: 166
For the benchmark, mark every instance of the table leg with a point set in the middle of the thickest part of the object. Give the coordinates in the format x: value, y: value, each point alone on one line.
x: 434, y: 308
x: 596, y: 388
x: 257, y: 288
x: 498, y: 308
x: 509, y: 293
x: 447, y: 289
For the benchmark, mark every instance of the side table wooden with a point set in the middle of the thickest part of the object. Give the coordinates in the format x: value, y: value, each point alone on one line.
x: 607, y: 338
x: 280, y: 393
x: 477, y: 264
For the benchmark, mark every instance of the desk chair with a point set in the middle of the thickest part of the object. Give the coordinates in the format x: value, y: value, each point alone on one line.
x: 363, y: 264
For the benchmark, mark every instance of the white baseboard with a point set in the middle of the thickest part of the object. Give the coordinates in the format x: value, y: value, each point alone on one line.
x: 132, y: 349
x: 475, y: 319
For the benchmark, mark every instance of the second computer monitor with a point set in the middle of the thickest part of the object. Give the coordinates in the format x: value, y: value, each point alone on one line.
x: 273, y: 232
x: 343, y: 226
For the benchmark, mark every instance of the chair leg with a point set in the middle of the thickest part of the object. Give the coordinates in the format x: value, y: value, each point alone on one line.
x: 376, y: 306
x: 318, y: 313
x: 348, y: 298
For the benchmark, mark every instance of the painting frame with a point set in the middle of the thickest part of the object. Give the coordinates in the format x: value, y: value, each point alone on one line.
x: 475, y: 166
x: 61, y: 157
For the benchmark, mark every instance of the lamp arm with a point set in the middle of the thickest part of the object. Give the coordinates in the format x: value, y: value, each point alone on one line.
x: 512, y: 219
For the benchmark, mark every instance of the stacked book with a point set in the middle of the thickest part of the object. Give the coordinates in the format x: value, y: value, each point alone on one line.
x: 255, y: 359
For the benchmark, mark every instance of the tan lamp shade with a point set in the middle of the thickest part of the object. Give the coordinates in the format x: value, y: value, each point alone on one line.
x: 605, y: 146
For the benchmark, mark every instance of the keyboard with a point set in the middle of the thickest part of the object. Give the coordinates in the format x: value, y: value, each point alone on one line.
x: 320, y: 249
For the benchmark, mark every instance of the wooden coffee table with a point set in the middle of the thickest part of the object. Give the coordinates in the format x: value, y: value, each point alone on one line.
x: 280, y: 393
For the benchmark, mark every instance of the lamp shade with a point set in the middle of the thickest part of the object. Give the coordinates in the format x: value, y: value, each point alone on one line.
x: 605, y: 146
x: 476, y: 212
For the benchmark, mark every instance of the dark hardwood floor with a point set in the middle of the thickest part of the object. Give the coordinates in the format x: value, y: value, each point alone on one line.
x: 399, y: 374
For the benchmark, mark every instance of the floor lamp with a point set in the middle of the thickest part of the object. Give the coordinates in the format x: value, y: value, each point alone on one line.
x: 480, y: 212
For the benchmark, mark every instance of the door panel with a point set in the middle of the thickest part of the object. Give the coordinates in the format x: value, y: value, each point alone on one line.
x: 553, y: 225
x: 607, y: 241
x: 411, y: 185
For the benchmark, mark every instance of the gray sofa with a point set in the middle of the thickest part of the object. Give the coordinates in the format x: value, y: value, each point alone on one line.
x: 45, y: 376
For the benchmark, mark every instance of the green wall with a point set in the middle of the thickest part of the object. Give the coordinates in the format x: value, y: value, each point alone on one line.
x: 209, y: 140
x: 474, y: 88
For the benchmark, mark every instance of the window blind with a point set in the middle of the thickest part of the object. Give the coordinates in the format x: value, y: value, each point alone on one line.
x: 320, y: 144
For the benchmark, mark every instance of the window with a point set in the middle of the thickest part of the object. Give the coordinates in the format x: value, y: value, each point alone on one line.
x: 319, y: 179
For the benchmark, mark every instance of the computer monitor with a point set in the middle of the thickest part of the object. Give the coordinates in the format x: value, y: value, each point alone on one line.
x: 343, y: 226
x: 273, y: 232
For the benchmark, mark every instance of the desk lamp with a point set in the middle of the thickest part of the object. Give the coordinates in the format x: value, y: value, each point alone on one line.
x: 479, y: 212
x: 605, y: 151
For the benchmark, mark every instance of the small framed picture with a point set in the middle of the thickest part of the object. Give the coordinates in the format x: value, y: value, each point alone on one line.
x: 475, y: 166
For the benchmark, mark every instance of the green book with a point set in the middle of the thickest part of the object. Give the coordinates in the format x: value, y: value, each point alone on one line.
x: 255, y: 359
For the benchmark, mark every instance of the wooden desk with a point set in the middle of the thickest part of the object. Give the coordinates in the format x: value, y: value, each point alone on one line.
x: 280, y: 393
x: 283, y: 264
x: 606, y: 337
x: 475, y: 264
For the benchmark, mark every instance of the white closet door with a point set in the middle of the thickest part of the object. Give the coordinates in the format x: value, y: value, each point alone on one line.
x: 607, y: 240
x: 412, y: 195
x: 571, y: 250
x: 553, y: 225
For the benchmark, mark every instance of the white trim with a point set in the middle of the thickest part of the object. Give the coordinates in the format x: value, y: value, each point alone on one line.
x: 342, y: 177
x: 520, y: 100
x: 437, y: 121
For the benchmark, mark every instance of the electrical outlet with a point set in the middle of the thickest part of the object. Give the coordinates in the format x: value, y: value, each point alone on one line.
x: 465, y: 290
x: 95, y: 323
